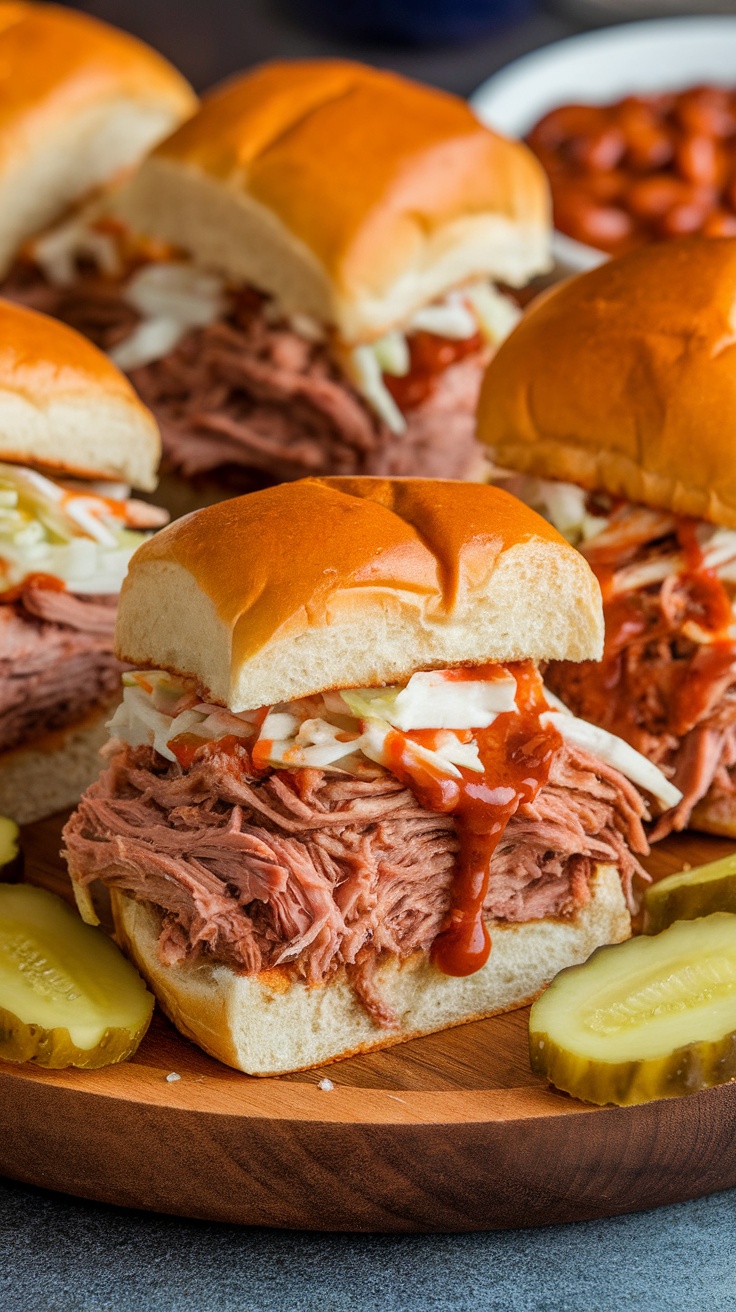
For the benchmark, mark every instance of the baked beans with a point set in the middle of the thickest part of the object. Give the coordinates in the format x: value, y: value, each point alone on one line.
x: 644, y: 168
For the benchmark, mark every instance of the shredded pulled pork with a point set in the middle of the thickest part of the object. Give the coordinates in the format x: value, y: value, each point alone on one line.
x: 321, y: 871
x: 668, y: 679
x: 93, y: 305
x: 247, y: 392
x: 56, y: 661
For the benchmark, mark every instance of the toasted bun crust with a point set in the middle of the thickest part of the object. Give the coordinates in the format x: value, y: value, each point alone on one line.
x: 63, y: 405
x: 351, y: 194
x: 78, y: 102
x: 269, y: 1024
x: 52, y: 772
x: 624, y: 379
x: 335, y: 583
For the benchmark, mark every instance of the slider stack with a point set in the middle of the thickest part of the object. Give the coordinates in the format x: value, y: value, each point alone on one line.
x: 374, y: 765
x: 615, y: 398
x: 303, y: 824
x: 81, y: 104
x: 73, y: 437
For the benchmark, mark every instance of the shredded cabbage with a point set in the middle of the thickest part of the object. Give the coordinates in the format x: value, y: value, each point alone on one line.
x: 367, y: 374
x: 497, y: 315
x: 459, y: 315
x: 318, y: 732
x: 332, y: 731
x: 80, y: 537
x: 150, y: 340
x: 314, y: 743
x: 392, y: 353
x: 431, y: 701
x: 614, y: 751
x: 720, y: 548
x: 172, y: 298
x: 177, y: 290
x: 467, y: 310
x: 57, y: 251
x: 450, y: 319
x: 563, y: 504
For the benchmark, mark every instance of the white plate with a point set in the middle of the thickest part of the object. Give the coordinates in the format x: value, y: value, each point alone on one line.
x: 666, y: 54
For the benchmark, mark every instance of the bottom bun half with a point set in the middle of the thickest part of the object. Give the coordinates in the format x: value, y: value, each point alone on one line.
x: 268, y: 1024
x: 52, y: 772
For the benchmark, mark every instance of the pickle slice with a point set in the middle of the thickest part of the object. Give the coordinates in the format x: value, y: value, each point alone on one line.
x: 690, y: 894
x: 650, y: 1018
x: 11, y: 857
x: 68, y: 997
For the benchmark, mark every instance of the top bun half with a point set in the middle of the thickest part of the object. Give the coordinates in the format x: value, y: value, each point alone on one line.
x: 65, y: 406
x: 348, y: 193
x: 354, y: 582
x: 624, y: 380
x: 79, y: 101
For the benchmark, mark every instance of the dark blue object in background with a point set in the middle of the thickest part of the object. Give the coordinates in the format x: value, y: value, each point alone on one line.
x: 412, y: 22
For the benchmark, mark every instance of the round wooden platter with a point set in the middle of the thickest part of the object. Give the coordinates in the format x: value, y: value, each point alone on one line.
x: 447, y: 1133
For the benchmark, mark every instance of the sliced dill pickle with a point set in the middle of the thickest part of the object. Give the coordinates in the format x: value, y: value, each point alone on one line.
x: 690, y: 894
x: 650, y: 1018
x: 68, y: 997
x: 11, y: 856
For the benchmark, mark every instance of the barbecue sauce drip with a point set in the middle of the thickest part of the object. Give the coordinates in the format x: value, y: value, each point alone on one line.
x: 517, y: 753
x: 429, y: 356
x: 625, y: 622
x: 714, y: 612
x: 708, y: 592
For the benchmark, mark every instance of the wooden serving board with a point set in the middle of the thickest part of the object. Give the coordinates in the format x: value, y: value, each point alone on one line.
x: 449, y: 1132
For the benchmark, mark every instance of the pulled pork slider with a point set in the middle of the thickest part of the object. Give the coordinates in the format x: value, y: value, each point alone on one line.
x: 308, y: 275
x: 340, y: 809
x: 616, y: 399
x: 79, y: 102
x: 73, y: 434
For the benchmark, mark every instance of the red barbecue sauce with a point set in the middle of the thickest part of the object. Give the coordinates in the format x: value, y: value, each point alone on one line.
x: 625, y: 622
x: 707, y: 591
x: 517, y: 753
x: 187, y: 746
x: 115, y: 509
x: 429, y: 356
x: 714, y: 612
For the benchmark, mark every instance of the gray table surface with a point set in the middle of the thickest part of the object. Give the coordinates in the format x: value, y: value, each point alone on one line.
x: 62, y: 1255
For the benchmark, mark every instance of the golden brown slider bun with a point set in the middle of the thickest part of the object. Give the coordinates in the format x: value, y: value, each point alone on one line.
x: 624, y: 379
x: 350, y: 194
x: 354, y: 582
x: 272, y: 1022
x: 63, y: 404
x: 78, y: 102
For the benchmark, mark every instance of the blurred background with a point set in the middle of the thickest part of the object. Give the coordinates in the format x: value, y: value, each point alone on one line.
x: 452, y: 43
